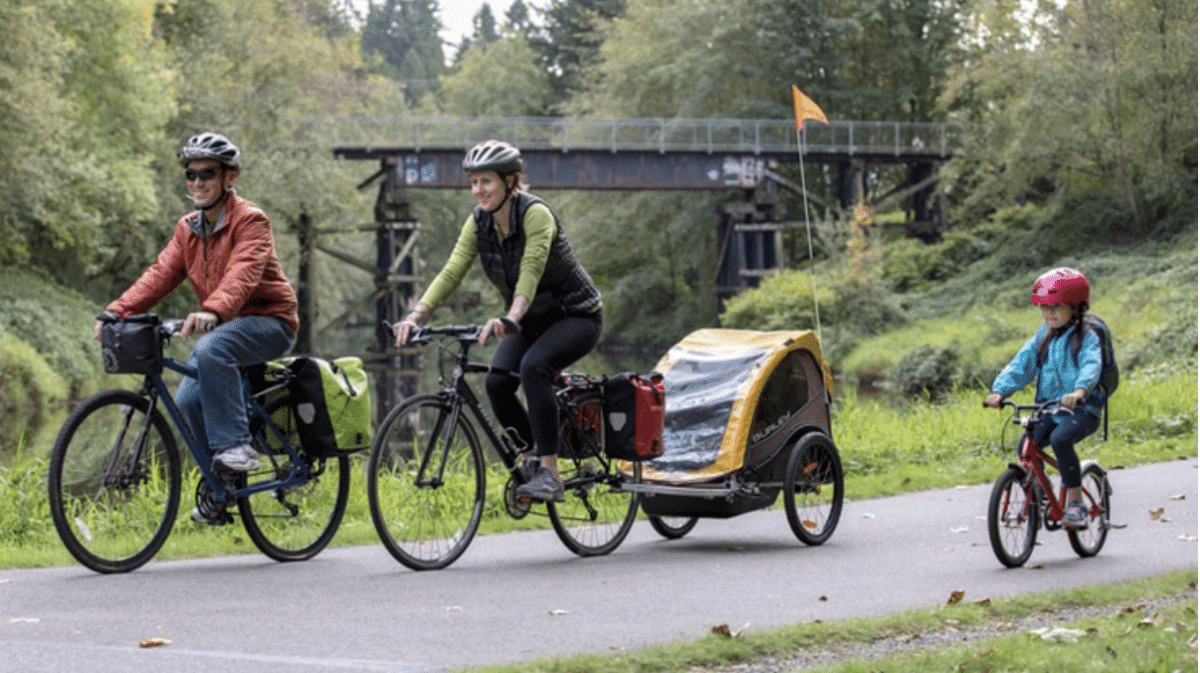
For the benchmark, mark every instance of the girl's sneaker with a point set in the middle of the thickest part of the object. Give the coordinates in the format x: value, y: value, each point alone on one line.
x: 1076, y: 517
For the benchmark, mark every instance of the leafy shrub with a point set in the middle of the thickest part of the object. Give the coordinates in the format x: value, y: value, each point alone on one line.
x: 928, y: 371
x: 29, y: 387
x: 56, y: 322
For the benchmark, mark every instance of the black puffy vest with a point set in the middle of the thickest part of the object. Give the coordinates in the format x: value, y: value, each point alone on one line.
x: 564, y: 283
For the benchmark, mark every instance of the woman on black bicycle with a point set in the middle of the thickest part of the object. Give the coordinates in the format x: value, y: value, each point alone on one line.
x: 554, y: 316
x: 1064, y: 358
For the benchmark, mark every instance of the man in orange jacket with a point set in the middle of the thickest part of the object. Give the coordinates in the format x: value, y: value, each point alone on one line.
x: 248, y: 308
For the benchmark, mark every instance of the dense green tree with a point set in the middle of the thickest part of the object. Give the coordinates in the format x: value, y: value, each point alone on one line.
x: 1087, y: 96
x: 83, y: 94
x: 501, y: 78
x: 569, y: 42
x: 402, y: 38
x: 519, y: 18
x: 900, y: 56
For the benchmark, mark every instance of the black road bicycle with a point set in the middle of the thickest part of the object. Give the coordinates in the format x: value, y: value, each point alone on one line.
x: 427, y: 476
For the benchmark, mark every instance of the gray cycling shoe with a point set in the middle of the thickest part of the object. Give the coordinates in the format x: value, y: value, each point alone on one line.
x: 1076, y: 517
x: 241, y: 458
x: 544, y: 487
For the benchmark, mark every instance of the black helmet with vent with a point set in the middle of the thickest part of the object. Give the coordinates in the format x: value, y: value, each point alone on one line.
x: 210, y: 146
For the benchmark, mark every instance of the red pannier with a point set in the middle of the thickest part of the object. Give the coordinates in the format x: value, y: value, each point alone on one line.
x: 634, y: 413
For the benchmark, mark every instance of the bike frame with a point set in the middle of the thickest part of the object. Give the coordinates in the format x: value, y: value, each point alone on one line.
x: 155, y: 389
x: 458, y: 393
x: 1033, y: 460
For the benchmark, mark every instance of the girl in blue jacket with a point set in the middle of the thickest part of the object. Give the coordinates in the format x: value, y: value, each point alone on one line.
x: 1064, y: 360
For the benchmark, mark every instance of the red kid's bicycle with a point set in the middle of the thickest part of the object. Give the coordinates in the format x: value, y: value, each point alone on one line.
x: 1022, y: 497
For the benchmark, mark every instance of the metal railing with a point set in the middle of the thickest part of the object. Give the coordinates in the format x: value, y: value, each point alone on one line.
x: 710, y: 136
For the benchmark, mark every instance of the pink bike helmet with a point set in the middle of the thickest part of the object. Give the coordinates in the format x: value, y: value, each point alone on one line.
x: 1063, y: 285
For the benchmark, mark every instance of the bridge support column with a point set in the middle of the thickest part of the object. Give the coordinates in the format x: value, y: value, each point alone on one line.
x: 396, y: 276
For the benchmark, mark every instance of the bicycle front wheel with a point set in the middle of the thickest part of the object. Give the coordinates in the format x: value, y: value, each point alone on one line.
x: 296, y: 522
x: 1013, y: 518
x: 425, y: 482
x: 1088, y: 541
x: 114, y: 482
x: 813, y: 488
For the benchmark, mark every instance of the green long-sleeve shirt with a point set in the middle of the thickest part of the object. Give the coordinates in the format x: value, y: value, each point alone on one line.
x: 540, y: 229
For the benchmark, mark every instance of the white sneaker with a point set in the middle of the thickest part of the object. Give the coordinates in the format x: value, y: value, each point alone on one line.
x: 241, y: 458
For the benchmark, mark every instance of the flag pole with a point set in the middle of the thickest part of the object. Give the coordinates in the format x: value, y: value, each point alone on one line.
x: 812, y: 266
x: 804, y: 108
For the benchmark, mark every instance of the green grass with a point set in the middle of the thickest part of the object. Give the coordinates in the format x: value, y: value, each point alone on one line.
x: 1117, y: 640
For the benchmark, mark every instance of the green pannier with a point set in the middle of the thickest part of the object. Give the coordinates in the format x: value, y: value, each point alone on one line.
x: 331, y: 405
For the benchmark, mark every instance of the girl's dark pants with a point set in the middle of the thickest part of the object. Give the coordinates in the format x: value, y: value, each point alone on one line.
x: 541, y: 350
x: 1062, y: 436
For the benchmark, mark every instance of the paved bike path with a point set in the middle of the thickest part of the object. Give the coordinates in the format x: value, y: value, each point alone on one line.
x: 523, y: 596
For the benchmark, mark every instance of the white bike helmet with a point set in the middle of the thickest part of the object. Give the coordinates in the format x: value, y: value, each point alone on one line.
x: 492, y: 155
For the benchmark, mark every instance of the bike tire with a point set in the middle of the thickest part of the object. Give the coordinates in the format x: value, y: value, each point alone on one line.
x: 672, y: 527
x: 114, y: 513
x: 1013, y: 518
x: 297, y: 522
x: 814, y: 488
x: 596, y: 515
x: 1088, y: 541
x: 424, y: 522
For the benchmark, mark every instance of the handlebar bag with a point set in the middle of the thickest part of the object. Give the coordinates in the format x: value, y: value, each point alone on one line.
x: 132, y: 345
x: 634, y: 414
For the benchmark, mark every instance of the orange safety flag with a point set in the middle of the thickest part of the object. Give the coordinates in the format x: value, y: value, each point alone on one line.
x: 805, y: 108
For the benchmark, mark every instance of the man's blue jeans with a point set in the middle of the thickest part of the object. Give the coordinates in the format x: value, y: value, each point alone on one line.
x: 212, y: 403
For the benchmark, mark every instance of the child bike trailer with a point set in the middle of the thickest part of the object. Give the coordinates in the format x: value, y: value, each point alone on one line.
x: 747, y: 417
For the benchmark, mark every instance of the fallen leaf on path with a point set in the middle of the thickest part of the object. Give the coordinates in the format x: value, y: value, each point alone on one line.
x: 956, y: 597
x: 155, y: 642
x: 1156, y: 514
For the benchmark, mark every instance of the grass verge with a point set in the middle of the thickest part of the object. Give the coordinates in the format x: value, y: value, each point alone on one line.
x: 1143, y: 625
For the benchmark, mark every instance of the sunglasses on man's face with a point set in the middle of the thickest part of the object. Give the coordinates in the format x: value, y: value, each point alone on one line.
x: 203, y: 175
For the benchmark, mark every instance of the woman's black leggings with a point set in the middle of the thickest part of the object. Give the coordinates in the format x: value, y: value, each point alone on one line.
x: 538, y: 353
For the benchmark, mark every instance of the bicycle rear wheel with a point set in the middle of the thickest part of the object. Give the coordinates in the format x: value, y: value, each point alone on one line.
x: 813, y: 488
x: 114, y: 482
x: 597, y: 515
x: 425, y: 483
x: 297, y: 522
x: 1088, y: 541
x: 1013, y: 518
